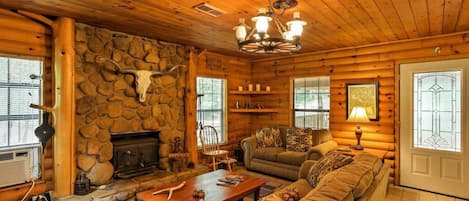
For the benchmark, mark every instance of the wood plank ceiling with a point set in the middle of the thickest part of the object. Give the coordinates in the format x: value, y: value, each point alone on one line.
x: 331, y: 23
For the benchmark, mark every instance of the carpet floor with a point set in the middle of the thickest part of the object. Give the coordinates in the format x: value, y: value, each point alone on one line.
x: 272, y: 183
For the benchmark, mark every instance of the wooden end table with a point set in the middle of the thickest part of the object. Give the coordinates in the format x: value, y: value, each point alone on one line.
x: 207, y: 182
x: 353, y: 152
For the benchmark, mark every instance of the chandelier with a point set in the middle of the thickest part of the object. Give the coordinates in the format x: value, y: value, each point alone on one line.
x: 260, y: 41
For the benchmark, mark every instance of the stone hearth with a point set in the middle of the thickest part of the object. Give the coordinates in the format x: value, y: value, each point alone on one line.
x: 107, y: 101
x: 125, y: 189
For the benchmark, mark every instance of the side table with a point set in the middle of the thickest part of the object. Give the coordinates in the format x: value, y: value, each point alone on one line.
x: 353, y: 152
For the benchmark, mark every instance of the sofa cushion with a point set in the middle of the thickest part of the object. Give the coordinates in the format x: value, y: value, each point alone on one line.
x: 330, y: 191
x: 321, y: 136
x: 291, y: 157
x: 354, y: 178
x: 268, y: 153
x: 268, y: 137
x: 298, y: 139
x: 301, y: 186
x: 330, y: 162
x: 369, y: 160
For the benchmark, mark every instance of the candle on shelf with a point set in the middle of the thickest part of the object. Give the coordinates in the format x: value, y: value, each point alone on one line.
x: 258, y: 87
x: 267, y: 88
x: 240, y: 88
x: 250, y: 87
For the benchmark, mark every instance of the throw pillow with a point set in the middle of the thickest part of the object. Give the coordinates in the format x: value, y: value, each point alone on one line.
x: 330, y: 162
x: 268, y: 137
x: 290, y: 194
x: 298, y: 139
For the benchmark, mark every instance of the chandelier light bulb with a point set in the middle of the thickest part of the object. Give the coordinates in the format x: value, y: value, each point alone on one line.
x: 257, y: 40
x: 287, y: 35
x: 241, y: 30
x: 262, y: 21
x: 295, y: 26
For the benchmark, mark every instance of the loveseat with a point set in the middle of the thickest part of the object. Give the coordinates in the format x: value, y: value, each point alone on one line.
x: 281, y: 162
x: 364, y: 179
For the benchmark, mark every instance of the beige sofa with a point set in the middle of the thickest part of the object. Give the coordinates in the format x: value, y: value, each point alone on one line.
x: 279, y: 162
x: 365, y: 179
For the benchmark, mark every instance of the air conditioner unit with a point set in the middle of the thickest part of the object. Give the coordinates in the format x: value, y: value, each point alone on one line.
x: 15, y: 167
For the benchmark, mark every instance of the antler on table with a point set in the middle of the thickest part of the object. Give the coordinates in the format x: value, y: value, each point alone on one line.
x: 171, y: 189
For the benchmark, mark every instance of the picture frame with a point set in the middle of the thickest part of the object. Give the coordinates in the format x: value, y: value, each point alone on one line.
x: 363, y: 95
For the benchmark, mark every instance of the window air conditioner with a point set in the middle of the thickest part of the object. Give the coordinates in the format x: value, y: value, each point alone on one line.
x: 15, y: 167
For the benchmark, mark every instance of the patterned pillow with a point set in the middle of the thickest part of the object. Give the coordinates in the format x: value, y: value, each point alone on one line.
x: 299, y: 139
x: 268, y: 137
x: 290, y: 194
x: 330, y: 162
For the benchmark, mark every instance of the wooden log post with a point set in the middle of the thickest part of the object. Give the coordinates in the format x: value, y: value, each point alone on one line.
x: 64, y: 110
x: 190, y: 107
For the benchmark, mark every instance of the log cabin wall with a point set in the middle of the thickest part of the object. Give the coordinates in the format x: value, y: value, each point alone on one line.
x: 237, y: 72
x: 353, y: 65
x: 23, y: 37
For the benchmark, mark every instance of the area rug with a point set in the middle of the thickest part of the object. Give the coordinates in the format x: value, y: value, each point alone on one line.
x: 269, y: 188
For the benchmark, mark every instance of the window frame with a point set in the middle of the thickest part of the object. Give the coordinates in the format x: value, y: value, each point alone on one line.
x: 293, y: 94
x: 37, y: 155
x: 223, y: 111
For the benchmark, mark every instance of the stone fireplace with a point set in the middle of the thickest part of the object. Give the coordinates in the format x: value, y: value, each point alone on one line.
x: 135, y: 154
x: 107, y: 102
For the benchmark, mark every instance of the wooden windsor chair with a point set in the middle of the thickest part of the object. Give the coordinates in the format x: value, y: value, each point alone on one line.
x: 211, y: 147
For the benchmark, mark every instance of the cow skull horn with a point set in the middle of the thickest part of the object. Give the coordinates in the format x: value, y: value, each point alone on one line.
x: 101, y: 59
x: 167, y: 72
x: 142, y: 77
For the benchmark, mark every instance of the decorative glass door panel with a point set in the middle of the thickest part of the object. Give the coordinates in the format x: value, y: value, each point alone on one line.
x: 437, y: 111
x: 433, y: 126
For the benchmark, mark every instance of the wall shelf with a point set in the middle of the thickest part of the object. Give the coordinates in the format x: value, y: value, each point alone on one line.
x: 265, y: 110
x: 253, y: 92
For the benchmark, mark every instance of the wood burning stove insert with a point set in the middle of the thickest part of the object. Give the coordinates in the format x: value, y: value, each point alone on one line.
x: 135, y: 153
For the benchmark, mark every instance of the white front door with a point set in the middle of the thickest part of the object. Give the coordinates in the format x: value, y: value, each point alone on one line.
x: 434, y: 122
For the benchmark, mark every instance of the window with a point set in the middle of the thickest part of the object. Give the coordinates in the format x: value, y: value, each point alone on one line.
x: 211, y: 105
x: 437, y: 110
x: 311, y: 102
x: 17, y: 119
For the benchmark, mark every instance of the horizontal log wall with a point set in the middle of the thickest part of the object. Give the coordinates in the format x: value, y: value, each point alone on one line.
x: 374, y: 63
x: 23, y: 37
x: 237, y: 72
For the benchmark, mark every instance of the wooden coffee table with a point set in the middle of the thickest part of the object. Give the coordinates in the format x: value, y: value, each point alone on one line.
x: 207, y: 182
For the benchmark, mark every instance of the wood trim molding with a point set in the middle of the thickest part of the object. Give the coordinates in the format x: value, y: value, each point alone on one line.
x: 36, y: 17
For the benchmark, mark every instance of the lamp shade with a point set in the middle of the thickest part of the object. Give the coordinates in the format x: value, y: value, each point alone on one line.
x: 358, y: 115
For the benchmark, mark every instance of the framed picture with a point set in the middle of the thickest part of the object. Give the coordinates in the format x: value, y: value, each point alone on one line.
x: 363, y: 95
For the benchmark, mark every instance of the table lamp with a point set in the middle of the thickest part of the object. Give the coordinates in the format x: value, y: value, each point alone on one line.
x: 358, y: 115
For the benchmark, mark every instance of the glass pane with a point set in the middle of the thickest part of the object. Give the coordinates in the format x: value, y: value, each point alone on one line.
x: 437, y: 115
x: 21, y: 98
x: 21, y: 69
x: 3, y: 133
x: 210, y: 106
x: 22, y: 132
x: 316, y: 120
x: 3, y: 69
x: 312, y: 94
x: 3, y: 101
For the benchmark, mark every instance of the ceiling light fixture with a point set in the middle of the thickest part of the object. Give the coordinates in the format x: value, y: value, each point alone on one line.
x: 260, y: 41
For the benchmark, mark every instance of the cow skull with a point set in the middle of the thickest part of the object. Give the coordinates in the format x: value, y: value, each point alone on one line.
x: 142, y: 77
